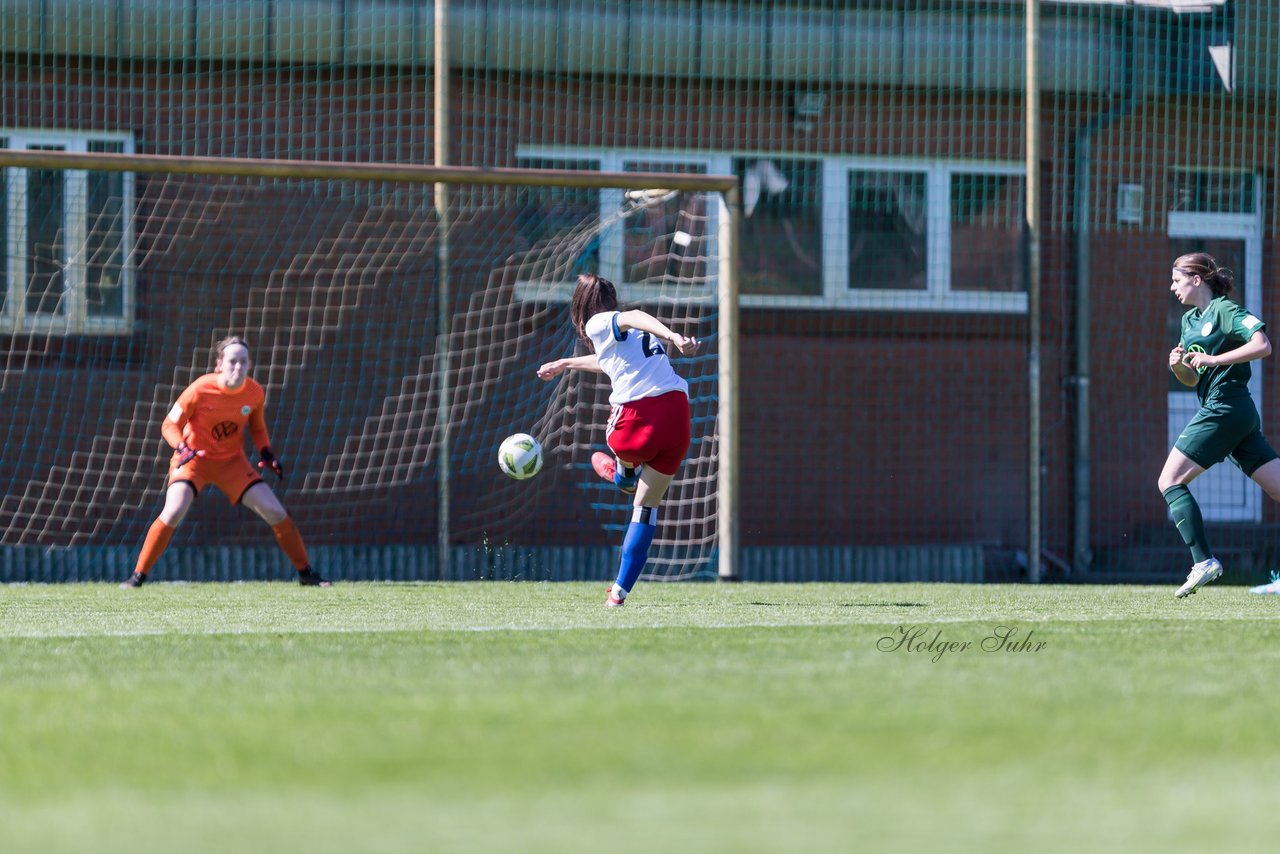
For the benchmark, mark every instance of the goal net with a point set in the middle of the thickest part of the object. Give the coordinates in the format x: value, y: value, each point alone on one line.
x: 397, y: 349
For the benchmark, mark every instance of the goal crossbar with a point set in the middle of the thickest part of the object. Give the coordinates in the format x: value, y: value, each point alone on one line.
x: 346, y: 170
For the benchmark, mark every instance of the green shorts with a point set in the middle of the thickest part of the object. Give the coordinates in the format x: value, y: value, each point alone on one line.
x: 1226, y: 429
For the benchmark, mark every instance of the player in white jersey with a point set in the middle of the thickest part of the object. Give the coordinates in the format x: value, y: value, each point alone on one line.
x: 649, y: 425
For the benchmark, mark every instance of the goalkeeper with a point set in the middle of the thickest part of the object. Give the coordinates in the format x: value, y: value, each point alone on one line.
x: 649, y: 423
x: 206, y: 430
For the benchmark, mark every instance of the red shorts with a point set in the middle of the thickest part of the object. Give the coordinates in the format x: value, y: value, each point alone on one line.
x: 233, y: 476
x: 652, y: 431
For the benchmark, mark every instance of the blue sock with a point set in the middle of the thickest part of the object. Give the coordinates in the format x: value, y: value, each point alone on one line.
x: 635, y: 546
x: 623, y: 480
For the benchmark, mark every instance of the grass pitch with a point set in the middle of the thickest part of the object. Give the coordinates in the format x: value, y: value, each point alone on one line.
x: 720, y: 718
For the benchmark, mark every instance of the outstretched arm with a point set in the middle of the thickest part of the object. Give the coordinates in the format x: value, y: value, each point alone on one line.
x: 645, y: 322
x: 551, y: 370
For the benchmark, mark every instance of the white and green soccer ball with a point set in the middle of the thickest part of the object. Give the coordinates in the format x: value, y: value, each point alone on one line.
x: 520, y: 456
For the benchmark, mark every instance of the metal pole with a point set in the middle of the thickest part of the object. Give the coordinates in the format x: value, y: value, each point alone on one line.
x: 443, y: 354
x: 1081, y: 554
x: 1080, y: 531
x: 727, y: 515
x: 1032, y: 123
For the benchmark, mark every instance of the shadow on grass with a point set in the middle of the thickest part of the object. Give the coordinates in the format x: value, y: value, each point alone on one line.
x: 843, y: 604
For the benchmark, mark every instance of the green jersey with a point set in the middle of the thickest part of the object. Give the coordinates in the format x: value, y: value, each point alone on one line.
x: 1220, y: 328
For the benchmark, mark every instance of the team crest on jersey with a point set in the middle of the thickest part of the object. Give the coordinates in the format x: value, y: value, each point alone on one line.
x: 244, y: 410
x: 1192, y: 350
x: 225, y: 430
x: 1207, y: 328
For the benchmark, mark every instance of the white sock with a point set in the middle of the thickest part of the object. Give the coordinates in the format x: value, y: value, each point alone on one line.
x: 618, y: 592
x: 647, y: 515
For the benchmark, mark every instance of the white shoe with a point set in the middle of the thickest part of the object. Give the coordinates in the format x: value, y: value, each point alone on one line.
x: 1200, y: 575
x: 1273, y: 587
x: 614, y: 600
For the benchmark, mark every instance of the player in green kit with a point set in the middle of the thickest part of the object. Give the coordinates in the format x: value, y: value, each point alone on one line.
x: 1219, y: 338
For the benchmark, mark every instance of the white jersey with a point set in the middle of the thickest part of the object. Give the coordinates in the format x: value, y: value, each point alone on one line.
x: 635, y: 362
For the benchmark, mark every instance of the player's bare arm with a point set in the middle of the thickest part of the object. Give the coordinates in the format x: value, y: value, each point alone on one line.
x: 551, y: 370
x: 1186, y: 375
x: 645, y: 322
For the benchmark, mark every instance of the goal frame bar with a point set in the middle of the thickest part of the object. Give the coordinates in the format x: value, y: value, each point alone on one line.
x: 726, y: 187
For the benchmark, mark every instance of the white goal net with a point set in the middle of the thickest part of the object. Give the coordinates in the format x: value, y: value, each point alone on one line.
x: 117, y: 283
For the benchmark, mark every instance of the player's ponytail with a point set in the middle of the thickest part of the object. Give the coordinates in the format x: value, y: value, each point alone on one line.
x: 593, y: 295
x: 1219, y: 279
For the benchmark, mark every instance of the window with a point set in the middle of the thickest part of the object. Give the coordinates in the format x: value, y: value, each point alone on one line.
x: 668, y: 236
x: 987, y: 222
x: 637, y: 241
x: 547, y: 214
x: 66, y: 241
x: 5, y: 275
x: 104, y: 255
x: 816, y: 232
x: 1196, y: 191
x: 44, y: 247
x: 780, y: 248
x: 888, y: 246
x: 926, y: 236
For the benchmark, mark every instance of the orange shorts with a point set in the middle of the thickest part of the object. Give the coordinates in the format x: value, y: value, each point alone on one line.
x: 233, y: 476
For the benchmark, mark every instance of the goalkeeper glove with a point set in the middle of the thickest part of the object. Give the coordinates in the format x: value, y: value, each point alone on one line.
x: 267, y: 460
x: 186, y: 454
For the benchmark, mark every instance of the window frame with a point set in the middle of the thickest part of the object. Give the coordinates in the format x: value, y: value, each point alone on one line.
x: 612, y: 243
x: 836, y: 293
x: 75, y: 320
x: 938, y: 295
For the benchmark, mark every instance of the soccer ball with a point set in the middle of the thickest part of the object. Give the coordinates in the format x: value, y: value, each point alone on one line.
x: 520, y: 456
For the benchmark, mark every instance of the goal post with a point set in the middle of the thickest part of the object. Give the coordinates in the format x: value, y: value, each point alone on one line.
x: 121, y: 269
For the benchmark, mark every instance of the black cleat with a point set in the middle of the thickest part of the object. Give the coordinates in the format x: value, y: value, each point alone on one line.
x: 135, y: 580
x: 308, y: 578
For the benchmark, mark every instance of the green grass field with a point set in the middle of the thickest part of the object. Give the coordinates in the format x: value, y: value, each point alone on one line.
x: 723, y: 718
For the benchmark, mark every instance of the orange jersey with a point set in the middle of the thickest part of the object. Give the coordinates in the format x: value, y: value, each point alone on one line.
x: 212, y: 419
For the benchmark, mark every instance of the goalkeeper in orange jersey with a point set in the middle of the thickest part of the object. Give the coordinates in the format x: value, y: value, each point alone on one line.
x: 206, y: 430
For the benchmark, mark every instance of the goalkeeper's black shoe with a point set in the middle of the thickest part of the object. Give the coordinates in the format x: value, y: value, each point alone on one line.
x: 308, y: 578
x: 135, y: 580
